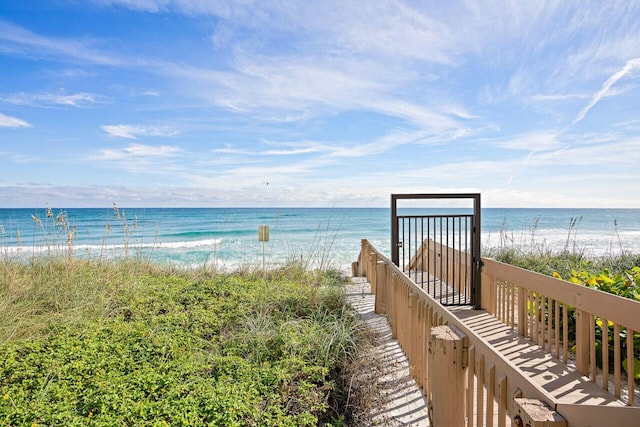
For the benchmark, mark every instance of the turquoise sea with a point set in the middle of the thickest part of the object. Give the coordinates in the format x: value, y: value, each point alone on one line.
x: 228, y: 237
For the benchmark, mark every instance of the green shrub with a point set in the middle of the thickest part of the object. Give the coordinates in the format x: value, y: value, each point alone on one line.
x: 125, y: 343
x: 625, y: 284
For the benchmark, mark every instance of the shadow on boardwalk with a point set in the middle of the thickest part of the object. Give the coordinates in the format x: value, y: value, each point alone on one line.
x: 402, y: 401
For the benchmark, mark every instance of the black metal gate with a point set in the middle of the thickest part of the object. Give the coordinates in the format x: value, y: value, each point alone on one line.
x: 439, y: 248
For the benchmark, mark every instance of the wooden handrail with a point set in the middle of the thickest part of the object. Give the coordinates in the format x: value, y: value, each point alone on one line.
x: 622, y: 311
x: 531, y: 300
x: 542, y: 304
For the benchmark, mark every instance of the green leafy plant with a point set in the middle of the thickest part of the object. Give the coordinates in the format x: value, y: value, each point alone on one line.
x: 625, y: 284
x: 128, y: 343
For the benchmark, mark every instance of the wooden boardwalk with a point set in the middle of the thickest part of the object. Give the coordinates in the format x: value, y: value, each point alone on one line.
x: 403, y: 403
x: 559, y: 379
x: 550, y: 370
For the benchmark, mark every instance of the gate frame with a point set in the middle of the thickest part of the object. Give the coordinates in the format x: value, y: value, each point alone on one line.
x: 476, y: 262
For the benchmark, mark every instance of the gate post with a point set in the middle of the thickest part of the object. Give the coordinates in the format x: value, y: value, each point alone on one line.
x: 395, y: 258
x: 447, y: 376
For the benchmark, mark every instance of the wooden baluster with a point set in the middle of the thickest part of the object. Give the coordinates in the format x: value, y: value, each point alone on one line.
x: 480, y: 391
x: 502, y: 400
x: 530, y: 313
x: 557, y: 329
x: 592, y: 348
x: 549, y: 325
x: 605, y: 354
x: 513, y: 306
x: 630, y: 368
x: 616, y: 359
x: 491, y: 390
x: 565, y: 333
x: 471, y: 372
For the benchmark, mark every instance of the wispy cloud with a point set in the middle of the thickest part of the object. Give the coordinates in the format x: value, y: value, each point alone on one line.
x: 18, y: 40
x: 609, y: 155
x: 137, y: 151
x: 231, y: 150
x: 389, y: 97
x: 134, y: 131
x: 293, y: 151
x: 18, y: 158
x: 190, y: 7
x: 44, y: 99
x: 12, y: 122
x: 629, y: 67
x: 558, y: 97
x: 534, y: 141
x: 285, y: 149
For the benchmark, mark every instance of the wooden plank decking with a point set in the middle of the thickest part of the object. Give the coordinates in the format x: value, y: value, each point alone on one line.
x: 559, y: 379
x: 402, y: 402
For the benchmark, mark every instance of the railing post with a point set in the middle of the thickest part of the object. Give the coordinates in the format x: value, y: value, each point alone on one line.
x: 362, y: 258
x: 359, y: 265
x: 522, y: 312
x: 393, y: 318
x: 447, y: 376
x: 381, y: 287
x: 488, y: 293
x: 413, y: 328
x: 582, y: 341
x: 535, y: 413
x: 373, y: 260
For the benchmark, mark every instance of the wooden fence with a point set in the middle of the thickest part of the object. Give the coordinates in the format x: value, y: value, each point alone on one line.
x: 540, y: 308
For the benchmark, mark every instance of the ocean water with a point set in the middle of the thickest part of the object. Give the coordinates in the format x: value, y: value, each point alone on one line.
x: 228, y: 237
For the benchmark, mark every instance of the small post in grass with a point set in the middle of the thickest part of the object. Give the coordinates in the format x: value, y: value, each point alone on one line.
x: 263, y: 236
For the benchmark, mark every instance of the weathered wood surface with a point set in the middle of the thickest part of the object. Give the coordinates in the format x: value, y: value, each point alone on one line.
x: 562, y: 382
x: 446, y: 366
x: 500, y: 359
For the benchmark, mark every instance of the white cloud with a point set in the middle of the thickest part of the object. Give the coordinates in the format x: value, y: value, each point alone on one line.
x: 558, y: 97
x: 189, y: 7
x: 629, y: 67
x: 231, y: 150
x: 609, y: 155
x: 133, y: 131
x: 139, y: 151
x: 293, y: 151
x: 53, y: 99
x: 387, y: 87
x: 284, y: 149
x: 534, y: 141
x: 18, y: 40
x: 12, y: 122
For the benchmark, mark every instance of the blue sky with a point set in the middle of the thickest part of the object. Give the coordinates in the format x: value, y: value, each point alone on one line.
x: 329, y: 103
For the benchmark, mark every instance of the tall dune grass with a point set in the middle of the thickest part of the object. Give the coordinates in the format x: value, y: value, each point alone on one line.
x: 530, y: 253
x: 125, y: 341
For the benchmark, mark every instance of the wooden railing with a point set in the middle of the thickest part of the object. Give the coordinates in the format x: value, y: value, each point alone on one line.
x: 555, y: 313
x: 495, y: 390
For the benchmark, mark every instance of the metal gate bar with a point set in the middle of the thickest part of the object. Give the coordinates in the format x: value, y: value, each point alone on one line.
x: 421, y: 234
x: 439, y: 251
